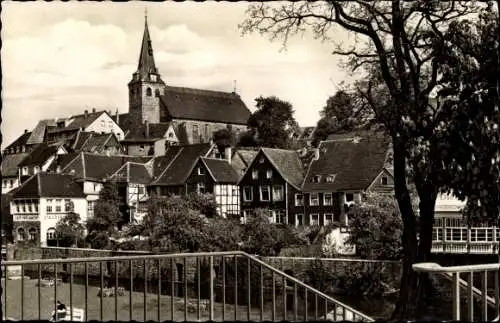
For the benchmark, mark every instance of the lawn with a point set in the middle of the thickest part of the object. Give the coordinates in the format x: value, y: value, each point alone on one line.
x: 63, y: 294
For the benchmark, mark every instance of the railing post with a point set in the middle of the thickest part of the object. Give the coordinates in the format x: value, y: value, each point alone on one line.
x: 495, y: 242
x: 456, y: 296
x: 468, y: 239
x: 212, y: 277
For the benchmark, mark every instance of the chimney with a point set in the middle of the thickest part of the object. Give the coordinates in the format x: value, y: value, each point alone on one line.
x: 146, y: 123
x: 25, y: 130
x: 93, y: 110
x: 117, y: 117
x: 86, y: 113
x: 228, y: 154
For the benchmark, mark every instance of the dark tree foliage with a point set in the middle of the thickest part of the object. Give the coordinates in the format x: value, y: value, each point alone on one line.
x: 224, y: 138
x: 272, y: 124
x: 70, y: 231
x: 399, y: 54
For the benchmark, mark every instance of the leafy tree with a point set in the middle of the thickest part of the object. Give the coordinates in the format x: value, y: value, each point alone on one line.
x: 224, y: 138
x: 70, y: 230
x: 203, y: 203
x: 272, y: 123
x: 400, y: 60
x: 376, y: 228
x: 248, y: 139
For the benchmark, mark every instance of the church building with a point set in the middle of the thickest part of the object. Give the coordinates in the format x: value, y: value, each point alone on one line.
x: 195, y: 114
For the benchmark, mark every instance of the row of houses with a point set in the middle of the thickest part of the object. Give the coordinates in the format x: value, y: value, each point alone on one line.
x: 298, y: 188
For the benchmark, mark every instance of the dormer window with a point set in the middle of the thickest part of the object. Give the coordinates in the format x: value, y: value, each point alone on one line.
x: 261, y: 160
x: 37, y: 169
x: 201, y: 171
x: 316, y: 179
x: 23, y: 149
x: 269, y: 174
x: 255, y: 174
x: 330, y: 178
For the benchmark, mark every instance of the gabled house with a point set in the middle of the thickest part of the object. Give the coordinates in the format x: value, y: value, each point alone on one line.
x: 131, y: 180
x: 340, y: 172
x: 149, y: 139
x: 98, y: 143
x: 217, y: 177
x: 271, y: 181
x: 242, y: 158
x: 172, y: 170
x: 39, y: 160
x: 20, y: 145
x: 40, y: 202
x: 10, y: 172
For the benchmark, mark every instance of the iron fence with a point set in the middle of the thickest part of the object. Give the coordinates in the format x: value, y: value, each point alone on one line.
x: 215, y: 286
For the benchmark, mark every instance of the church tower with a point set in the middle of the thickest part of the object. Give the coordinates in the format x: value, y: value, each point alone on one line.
x: 146, y: 85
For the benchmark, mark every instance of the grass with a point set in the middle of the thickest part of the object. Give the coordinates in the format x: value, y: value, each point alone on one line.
x: 13, y: 304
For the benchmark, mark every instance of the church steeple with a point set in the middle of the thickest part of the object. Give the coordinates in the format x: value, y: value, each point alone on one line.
x: 146, y: 58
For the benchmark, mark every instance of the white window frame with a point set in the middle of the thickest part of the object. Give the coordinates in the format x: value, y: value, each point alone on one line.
x: 282, y: 193
x: 330, y: 178
x: 269, y: 174
x: 24, y: 170
x: 30, y: 237
x: 268, y: 190
x: 201, y: 171
x: 255, y: 174
x: 51, y: 234
x: 311, y: 216
x: 296, y: 200
x: 199, y: 187
x: 251, y: 194
x: 311, y: 199
x: 325, y: 222
x: 297, y: 219
x: 36, y: 169
x: 331, y: 199
x: 316, y: 179
x: 58, y: 205
x: 277, y: 216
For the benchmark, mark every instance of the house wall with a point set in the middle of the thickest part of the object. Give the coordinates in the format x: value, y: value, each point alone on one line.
x: 139, y: 149
x: 227, y: 198
x: 261, y: 164
x: 141, y: 105
x: 321, y: 209
x: 105, y: 124
x: 205, y: 129
x: 194, y: 179
x: 40, y: 217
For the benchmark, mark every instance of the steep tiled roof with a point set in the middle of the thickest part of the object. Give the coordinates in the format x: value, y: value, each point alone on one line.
x: 287, y: 163
x: 10, y: 164
x: 132, y: 173
x: 220, y: 170
x: 98, y: 167
x: 160, y: 163
x: 195, y: 104
x: 182, y: 164
x: 93, y: 142
x: 39, y: 155
x: 49, y: 185
x: 84, y: 120
x: 354, y: 164
x: 20, y: 141
x: 242, y: 158
x: 38, y: 134
x: 156, y: 131
x: 62, y: 161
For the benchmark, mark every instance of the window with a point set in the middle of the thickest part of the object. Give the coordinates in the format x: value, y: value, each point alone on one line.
x: 51, y: 234
x: 299, y: 219
x: 328, y: 218
x: 4, y: 183
x: 314, y: 199
x: 11, y: 183
x: 23, y: 207
x: 207, y: 132
x: 196, y: 134
x: 201, y: 171
x: 330, y: 178
x: 153, y: 78
x: 157, y: 93
x: 36, y: 169
x: 316, y: 179
x: 255, y: 174
x: 280, y: 216
x: 149, y: 92
x: 141, y: 190
x: 247, y: 193
x: 32, y: 234
x: 349, y: 197
x: 314, y: 219
x: 30, y: 208
x: 23, y: 149
x: 269, y: 174
x: 261, y: 160
x: 17, y: 207
x: 58, y: 205
x: 327, y: 199
x: 299, y: 199
x: 384, y: 180
x: 36, y: 206
x: 200, y: 188
x: 264, y: 193
x: 25, y: 170
x: 49, y: 205
x: 68, y: 205
x: 90, y: 208
x: 20, y: 234
x: 277, y: 193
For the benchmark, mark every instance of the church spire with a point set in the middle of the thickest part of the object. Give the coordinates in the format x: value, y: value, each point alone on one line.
x: 146, y: 58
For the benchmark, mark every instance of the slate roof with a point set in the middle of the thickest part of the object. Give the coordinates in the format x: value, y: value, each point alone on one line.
x: 160, y: 163
x: 96, y: 167
x: 242, y: 158
x: 49, y: 185
x: 92, y: 142
x: 11, y: 162
x: 182, y: 164
x: 205, y: 105
x: 39, y: 155
x: 38, y: 134
x: 287, y: 163
x: 156, y: 131
x: 83, y: 120
x: 20, y: 141
x: 62, y: 161
x: 220, y: 170
x: 354, y: 164
x: 132, y: 173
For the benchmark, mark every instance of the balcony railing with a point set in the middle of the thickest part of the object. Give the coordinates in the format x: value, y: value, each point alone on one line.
x: 183, y: 287
x: 462, y: 240
x: 489, y: 305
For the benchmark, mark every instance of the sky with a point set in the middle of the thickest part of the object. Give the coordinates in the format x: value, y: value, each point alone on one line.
x: 61, y: 58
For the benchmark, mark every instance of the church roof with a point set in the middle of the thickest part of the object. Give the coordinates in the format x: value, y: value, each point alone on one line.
x: 146, y: 59
x: 204, y: 105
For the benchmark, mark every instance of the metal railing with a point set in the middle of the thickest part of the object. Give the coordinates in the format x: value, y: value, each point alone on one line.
x: 195, y: 286
x: 489, y: 306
